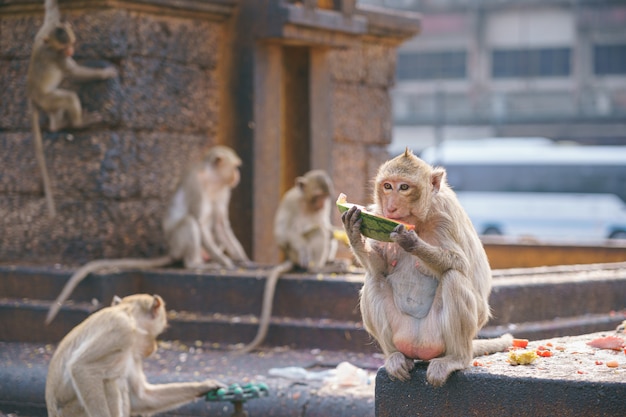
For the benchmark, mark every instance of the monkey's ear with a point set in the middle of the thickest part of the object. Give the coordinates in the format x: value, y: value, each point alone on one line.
x: 156, y: 304
x: 436, y: 177
x: 300, y: 182
x: 116, y: 300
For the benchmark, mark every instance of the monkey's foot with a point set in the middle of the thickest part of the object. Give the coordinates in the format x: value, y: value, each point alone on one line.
x: 399, y: 366
x: 440, y: 369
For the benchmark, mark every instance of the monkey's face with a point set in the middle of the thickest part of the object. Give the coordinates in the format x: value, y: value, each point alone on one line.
x: 316, y: 188
x: 397, y: 198
x: 316, y: 200
x: 226, y: 163
x: 62, y: 39
x: 232, y: 175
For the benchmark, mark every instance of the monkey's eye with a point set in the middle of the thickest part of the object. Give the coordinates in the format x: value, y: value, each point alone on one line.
x: 387, y: 186
x: 404, y: 187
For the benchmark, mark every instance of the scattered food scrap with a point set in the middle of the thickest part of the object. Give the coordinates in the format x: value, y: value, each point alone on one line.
x: 608, y: 342
x: 523, y: 357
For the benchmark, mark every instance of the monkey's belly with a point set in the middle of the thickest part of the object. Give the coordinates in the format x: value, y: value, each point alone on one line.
x: 413, y: 294
x: 424, y: 353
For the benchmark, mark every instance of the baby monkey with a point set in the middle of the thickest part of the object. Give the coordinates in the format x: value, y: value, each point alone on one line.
x: 304, y: 233
x: 97, y: 369
x: 50, y: 62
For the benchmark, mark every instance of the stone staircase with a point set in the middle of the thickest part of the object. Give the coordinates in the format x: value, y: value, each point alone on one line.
x: 309, y: 311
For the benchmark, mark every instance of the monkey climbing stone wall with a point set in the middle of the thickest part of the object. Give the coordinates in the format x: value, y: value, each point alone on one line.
x: 115, y: 177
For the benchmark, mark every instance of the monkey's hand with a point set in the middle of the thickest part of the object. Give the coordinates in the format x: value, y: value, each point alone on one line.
x: 210, y: 385
x: 352, y: 221
x: 109, y: 72
x: 407, y: 239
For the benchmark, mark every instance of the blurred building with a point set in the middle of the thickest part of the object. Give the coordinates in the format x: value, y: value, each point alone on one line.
x: 481, y: 68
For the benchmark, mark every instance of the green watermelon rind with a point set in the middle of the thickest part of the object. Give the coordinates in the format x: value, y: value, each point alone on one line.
x: 373, y: 226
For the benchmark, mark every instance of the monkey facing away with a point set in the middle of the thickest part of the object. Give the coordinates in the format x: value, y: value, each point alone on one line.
x: 97, y: 368
x: 195, y: 223
x: 50, y: 62
x: 304, y: 233
x: 425, y: 294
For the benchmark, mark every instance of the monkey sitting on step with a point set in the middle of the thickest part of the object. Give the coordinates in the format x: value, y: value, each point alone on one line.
x: 304, y: 233
x: 425, y: 294
x: 196, y: 222
x: 97, y: 368
x: 50, y: 62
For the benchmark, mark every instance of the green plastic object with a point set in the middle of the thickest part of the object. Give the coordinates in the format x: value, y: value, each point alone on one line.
x: 239, y: 393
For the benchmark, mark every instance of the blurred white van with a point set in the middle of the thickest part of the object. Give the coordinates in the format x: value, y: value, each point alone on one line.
x: 546, y: 216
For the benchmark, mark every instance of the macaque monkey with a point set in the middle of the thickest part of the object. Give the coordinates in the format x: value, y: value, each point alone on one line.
x: 196, y: 224
x: 426, y: 293
x: 50, y: 62
x: 97, y: 369
x: 304, y: 234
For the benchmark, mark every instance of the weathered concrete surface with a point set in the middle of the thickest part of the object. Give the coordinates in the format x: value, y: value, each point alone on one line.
x: 569, y: 383
x: 23, y: 369
x: 574, y: 381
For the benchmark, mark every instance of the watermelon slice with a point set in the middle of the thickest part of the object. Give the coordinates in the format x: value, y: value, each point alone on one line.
x: 373, y: 226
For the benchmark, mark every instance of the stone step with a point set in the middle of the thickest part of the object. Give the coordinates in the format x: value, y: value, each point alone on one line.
x: 538, y: 294
x: 22, y: 320
x: 309, y: 311
x: 556, y: 327
x: 232, y: 292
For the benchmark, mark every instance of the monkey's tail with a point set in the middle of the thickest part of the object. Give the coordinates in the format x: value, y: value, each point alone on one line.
x: 268, y: 302
x: 488, y: 346
x: 95, y: 266
x: 41, y: 159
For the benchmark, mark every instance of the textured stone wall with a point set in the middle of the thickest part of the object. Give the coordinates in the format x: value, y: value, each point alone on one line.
x: 111, y: 181
x: 362, y: 77
x: 174, y: 96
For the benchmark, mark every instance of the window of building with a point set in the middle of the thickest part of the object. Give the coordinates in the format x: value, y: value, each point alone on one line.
x: 609, y: 59
x: 543, y: 62
x: 432, y: 65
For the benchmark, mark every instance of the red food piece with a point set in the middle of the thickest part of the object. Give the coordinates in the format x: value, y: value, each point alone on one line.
x: 544, y: 353
x: 608, y: 342
x: 520, y: 343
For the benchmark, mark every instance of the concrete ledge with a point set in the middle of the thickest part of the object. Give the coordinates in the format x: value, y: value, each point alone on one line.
x: 574, y: 381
